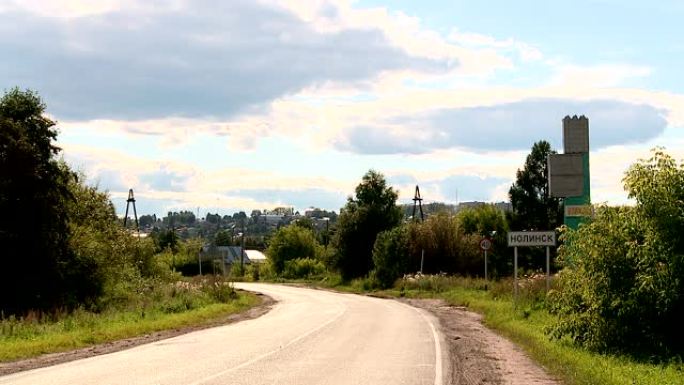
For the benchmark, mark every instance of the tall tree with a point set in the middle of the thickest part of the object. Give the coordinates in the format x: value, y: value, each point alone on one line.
x: 34, y: 195
x: 533, y: 207
x: 372, y: 211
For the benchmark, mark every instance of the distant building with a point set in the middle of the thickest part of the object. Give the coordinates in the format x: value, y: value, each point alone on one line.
x: 272, y: 219
x: 255, y: 256
x: 229, y: 255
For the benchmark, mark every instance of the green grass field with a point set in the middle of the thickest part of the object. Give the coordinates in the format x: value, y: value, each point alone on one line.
x: 29, y: 338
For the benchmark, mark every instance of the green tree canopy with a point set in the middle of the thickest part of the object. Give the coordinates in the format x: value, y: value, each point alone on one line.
x: 289, y: 243
x: 489, y: 221
x: 372, y: 211
x: 533, y: 207
x: 391, y: 255
x: 223, y: 238
x: 34, y: 194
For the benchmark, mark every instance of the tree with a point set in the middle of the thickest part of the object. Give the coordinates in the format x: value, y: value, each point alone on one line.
x: 489, y: 221
x: 372, y: 211
x: 148, y: 220
x: 391, y: 256
x: 34, y: 193
x: 533, y: 207
x: 624, y: 288
x: 168, y: 239
x: 289, y: 243
x: 223, y: 238
x: 445, y: 246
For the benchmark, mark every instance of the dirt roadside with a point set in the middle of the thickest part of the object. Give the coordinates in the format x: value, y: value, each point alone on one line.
x: 115, y: 346
x: 478, y: 355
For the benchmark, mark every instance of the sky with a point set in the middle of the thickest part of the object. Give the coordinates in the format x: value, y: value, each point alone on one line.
x: 223, y: 106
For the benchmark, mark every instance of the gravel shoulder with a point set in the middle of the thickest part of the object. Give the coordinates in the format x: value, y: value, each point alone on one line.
x: 479, y: 355
x: 115, y: 346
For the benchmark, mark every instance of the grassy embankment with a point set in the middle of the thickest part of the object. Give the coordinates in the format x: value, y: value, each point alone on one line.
x: 168, y: 306
x: 526, y: 324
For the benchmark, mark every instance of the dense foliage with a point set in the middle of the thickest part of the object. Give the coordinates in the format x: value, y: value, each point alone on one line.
x: 490, y: 222
x: 391, y: 256
x: 533, y: 207
x: 372, y: 211
x: 63, y: 246
x: 625, y: 287
x: 289, y: 243
x: 34, y: 195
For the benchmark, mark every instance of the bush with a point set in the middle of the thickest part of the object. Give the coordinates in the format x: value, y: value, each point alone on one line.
x: 303, y: 268
x: 291, y: 242
x: 623, y: 287
x: 446, y: 247
x: 390, y: 256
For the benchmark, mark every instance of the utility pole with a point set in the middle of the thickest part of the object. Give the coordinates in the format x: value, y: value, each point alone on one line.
x: 131, y: 199
x: 418, y: 201
x: 327, y: 231
x: 242, y: 250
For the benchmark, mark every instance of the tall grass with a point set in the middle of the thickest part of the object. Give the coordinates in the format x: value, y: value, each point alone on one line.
x: 525, y: 321
x: 165, y: 306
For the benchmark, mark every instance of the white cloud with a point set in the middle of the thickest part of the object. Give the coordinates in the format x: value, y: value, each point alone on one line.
x: 525, y: 52
x: 604, y: 75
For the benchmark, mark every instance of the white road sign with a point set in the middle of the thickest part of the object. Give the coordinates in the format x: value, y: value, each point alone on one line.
x: 531, y: 238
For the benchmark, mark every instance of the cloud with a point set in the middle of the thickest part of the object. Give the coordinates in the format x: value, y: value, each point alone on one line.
x: 298, y: 198
x: 165, y: 179
x: 524, y: 51
x: 205, y: 58
x: 507, y: 126
x: 605, y: 75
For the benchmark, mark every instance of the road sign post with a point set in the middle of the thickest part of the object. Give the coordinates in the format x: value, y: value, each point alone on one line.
x: 531, y: 238
x: 485, y: 244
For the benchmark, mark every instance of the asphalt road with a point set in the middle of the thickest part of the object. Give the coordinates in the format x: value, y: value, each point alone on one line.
x: 309, y: 337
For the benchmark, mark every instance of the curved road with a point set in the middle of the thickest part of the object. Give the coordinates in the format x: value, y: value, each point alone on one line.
x: 309, y: 337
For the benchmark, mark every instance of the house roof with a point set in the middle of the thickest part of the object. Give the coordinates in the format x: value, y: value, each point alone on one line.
x: 255, y: 255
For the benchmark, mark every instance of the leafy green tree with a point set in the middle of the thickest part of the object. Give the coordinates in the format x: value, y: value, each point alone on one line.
x: 168, y: 239
x: 533, y: 207
x: 148, y: 220
x: 624, y: 290
x: 223, y: 238
x: 34, y: 193
x: 391, y: 254
x: 489, y: 221
x: 107, y: 258
x: 304, y: 222
x: 371, y: 212
x: 445, y: 246
x: 289, y: 243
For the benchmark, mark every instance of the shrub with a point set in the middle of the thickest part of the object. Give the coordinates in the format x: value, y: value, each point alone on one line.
x: 390, y: 256
x: 446, y: 247
x: 291, y: 242
x: 303, y: 268
x: 623, y: 286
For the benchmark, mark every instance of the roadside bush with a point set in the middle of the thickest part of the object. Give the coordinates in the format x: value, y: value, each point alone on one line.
x: 391, y: 256
x: 447, y: 248
x: 291, y: 242
x: 622, y: 288
x: 303, y: 268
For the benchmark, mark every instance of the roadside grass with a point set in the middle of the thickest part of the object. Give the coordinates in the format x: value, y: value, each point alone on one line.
x: 525, y: 323
x: 178, y: 306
